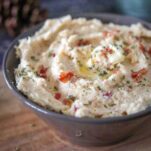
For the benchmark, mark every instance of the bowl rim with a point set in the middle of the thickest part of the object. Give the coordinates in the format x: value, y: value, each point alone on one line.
x: 56, y: 115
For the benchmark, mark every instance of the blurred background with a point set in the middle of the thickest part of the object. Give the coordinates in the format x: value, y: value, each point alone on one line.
x: 16, y: 16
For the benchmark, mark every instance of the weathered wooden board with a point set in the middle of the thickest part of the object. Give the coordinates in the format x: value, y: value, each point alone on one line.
x: 22, y: 130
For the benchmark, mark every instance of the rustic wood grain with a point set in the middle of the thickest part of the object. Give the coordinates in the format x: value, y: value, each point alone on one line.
x: 22, y: 130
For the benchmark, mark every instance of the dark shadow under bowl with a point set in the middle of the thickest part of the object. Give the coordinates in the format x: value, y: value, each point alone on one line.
x: 83, y: 131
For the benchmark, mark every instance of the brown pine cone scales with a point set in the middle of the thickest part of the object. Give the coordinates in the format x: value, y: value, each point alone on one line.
x: 18, y: 15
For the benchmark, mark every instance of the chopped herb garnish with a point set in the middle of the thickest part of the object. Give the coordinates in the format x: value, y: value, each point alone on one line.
x: 133, y: 46
x: 50, y: 54
x: 132, y: 70
x: 26, y: 78
x: 55, y: 88
x: 90, y: 68
x: 143, y: 84
x: 112, y: 104
x: 105, y: 105
x: 23, y: 72
x: 102, y: 73
x: 128, y: 82
x: 34, y: 58
x: 99, y: 88
x: 123, y: 77
x: 71, y: 97
x: 80, y: 64
x: 145, y: 79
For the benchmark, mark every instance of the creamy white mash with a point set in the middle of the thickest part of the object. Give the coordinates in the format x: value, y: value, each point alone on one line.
x: 86, y: 68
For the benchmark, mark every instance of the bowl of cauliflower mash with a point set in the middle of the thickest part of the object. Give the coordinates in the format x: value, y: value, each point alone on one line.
x: 87, y: 75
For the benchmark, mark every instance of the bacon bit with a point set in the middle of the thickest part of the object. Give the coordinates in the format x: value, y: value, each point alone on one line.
x: 57, y: 96
x: 138, y: 74
x: 66, y: 76
x: 107, y: 95
x: 105, y: 33
x: 149, y: 51
x: 127, y: 50
x: 42, y: 71
x: 109, y: 50
x: 129, y: 88
x: 110, y: 33
x: 104, y: 54
x: 75, y: 108
x: 106, y: 51
x: 53, y: 54
x: 83, y: 42
x: 141, y: 46
x: 67, y: 102
x: 115, y: 71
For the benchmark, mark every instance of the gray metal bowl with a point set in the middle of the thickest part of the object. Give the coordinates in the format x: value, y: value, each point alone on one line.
x: 83, y: 131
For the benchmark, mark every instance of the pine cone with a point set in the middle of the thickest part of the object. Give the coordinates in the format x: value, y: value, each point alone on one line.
x: 18, y: 15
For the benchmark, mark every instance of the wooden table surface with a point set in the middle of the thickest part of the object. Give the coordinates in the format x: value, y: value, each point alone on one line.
x: 22, y: 130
